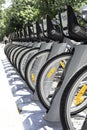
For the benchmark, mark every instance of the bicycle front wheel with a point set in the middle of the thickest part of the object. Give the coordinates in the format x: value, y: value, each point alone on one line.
x: 74, y: 101
x: 50, y: 76
x: 34, y: 66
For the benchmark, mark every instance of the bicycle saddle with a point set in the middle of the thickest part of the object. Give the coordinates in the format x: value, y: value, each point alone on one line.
x: 76, y: 31
x: 20, y: 34
x: 31, y: 34
x: 40, y: 34
x: 53, y: 32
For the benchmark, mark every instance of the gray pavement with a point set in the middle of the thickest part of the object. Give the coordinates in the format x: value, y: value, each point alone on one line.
x: 15, y: 95
x: 9, y: 116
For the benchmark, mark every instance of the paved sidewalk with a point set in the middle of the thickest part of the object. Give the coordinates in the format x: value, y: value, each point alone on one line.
x: 15, y: 93
x: 9, y: 116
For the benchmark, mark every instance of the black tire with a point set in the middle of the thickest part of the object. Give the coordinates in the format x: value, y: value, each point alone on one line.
x: 17, y: 53
x: 29, y: 66
x: 41, y: 89
x: 13, y: 53
x: 67, y: 99
x: 19, y: 56
x: 24, y: 60
x: 6, y: 47
x: 10, y: 51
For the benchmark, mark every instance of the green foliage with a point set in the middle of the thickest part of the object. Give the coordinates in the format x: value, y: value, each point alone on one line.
x: 22, y: 12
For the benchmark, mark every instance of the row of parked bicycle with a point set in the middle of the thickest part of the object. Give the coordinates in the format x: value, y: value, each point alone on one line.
x: 54, y: 66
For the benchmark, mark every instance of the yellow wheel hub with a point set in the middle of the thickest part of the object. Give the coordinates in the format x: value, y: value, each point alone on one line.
x: 33, y: 77
x: 62, y: 64
x: 51, y: 72
x: 79, y: 98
